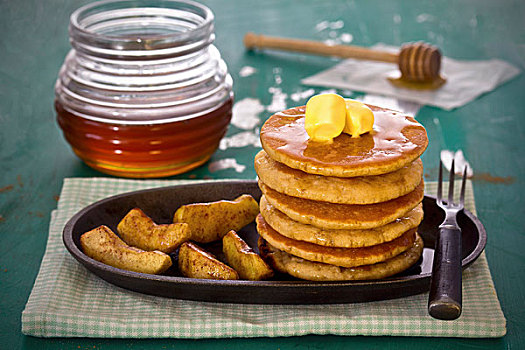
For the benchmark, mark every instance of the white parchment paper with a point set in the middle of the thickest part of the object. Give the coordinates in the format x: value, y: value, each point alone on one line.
x: 466, y: 80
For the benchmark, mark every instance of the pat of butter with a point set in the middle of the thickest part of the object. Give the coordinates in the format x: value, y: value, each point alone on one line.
x: 325, y: 117
x: 359, y: 118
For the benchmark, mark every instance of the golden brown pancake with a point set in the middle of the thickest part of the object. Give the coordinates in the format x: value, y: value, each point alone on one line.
x: 354, y: 190
x: 396, y: 141
x: 343, y: 216
x: 345, y: 257
x: 316, y: 271
x: 339, y: 238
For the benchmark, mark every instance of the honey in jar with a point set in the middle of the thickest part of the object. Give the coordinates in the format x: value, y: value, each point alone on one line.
x: 143, y: 92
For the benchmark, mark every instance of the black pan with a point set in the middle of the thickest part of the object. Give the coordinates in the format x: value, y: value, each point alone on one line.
x: 161, y: 203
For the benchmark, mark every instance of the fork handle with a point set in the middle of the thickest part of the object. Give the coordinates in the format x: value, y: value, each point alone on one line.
x: 444, y: 301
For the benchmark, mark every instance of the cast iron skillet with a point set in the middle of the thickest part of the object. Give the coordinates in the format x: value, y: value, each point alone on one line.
x: 161, y: 203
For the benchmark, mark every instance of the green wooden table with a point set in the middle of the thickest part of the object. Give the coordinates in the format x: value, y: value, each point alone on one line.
x: 34, y: 158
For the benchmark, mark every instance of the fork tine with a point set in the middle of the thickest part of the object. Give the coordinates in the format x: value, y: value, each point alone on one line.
x: 451, y: 185
x: 440, y: 182
x: 463, y: 182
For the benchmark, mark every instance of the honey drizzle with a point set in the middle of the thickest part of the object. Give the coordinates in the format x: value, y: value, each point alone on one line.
x: 386, y: 141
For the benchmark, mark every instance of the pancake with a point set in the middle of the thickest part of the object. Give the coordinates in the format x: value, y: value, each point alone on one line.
x: 343, y: 216
x: 339, y: 238
x: 396, y: 141
x: 316, y: 271
x: 345, y: 257
x: 354, y: 190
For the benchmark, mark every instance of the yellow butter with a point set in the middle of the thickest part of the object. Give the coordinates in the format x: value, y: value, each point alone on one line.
x: 359, y: 118
x: 325, y: 117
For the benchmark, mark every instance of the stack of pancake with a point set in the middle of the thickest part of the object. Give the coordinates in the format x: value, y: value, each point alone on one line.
x: 345, y: 210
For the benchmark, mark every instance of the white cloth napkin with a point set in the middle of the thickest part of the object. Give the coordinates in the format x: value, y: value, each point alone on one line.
x: 466, y: 80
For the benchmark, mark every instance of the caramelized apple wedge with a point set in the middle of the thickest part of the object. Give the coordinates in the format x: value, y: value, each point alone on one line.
x: 209, y: 222
x: 138, y: 230
x: 105, y: 246
x: 243, y: 259
x: 195, y: 262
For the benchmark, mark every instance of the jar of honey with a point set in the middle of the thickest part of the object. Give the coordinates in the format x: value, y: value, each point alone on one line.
x: 143, y: 92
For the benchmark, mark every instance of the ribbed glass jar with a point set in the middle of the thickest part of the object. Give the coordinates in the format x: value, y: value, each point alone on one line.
x: 143, y: 92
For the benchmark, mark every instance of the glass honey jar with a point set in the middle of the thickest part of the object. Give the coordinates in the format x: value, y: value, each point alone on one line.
x: 143, y: 91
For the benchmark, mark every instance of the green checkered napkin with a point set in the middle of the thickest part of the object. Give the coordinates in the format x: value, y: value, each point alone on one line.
x: 69, y: 301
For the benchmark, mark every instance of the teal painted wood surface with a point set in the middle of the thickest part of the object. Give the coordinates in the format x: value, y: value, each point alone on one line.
x: 34, y: 158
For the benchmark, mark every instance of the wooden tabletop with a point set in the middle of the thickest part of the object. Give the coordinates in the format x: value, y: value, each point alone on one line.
x: 35, y: 159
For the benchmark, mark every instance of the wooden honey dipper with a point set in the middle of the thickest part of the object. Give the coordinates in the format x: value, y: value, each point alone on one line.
x: 419, y: 63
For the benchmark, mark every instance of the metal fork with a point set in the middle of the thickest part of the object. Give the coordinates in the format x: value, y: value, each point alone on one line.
x: 444, y: 301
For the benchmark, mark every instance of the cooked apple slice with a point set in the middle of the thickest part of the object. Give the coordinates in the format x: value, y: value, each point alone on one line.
x: 243, y: 259
x: 105, y: 246
x: 195, y: 262
x: 138, y: 230
x: 209, y: 222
